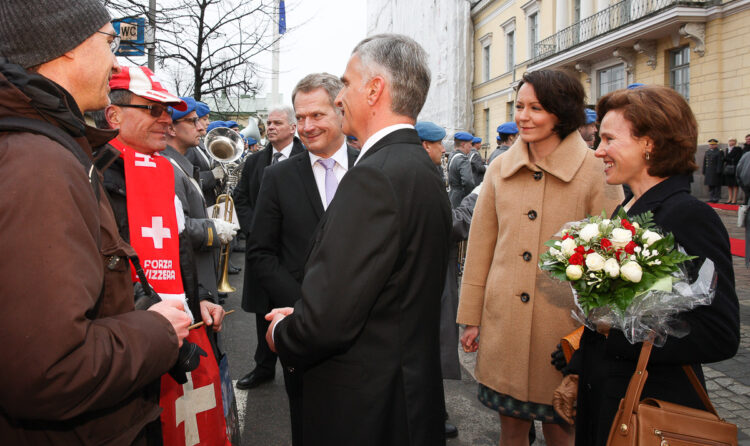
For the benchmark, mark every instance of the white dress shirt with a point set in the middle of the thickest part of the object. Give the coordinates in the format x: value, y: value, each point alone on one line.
x: 341, y: 157
x: 380, y: 134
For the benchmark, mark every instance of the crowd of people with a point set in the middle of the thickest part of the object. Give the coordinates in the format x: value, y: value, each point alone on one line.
x: 367, y: 249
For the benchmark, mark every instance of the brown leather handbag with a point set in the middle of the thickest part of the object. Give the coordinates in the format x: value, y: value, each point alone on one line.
x: 659, y: 423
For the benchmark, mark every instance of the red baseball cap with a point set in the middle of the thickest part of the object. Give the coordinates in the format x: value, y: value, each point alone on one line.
x: 143, y: 82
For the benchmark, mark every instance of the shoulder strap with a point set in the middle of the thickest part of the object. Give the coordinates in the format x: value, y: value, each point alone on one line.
x: 39, y: 127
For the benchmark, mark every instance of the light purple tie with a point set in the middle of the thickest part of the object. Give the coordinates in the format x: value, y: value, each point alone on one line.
x: 331, y: 182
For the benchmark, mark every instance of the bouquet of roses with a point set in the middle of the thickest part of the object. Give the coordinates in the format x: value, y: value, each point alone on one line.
x: 627, y: 274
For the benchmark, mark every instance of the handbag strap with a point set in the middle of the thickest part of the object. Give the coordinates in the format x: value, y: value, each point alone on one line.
x: 638, y: 381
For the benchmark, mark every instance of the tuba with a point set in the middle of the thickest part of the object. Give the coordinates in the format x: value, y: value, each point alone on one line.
x: 224, y: 146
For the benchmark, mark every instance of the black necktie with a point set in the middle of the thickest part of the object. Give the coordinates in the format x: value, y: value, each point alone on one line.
x: 276, y: 157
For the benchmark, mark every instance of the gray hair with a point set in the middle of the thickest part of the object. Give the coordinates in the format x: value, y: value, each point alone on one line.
x: 291, y: 117
x: 328, y: 82
x: 403, y: 62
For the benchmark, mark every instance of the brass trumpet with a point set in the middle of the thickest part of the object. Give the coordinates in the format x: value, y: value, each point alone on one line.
x: 224, y: 146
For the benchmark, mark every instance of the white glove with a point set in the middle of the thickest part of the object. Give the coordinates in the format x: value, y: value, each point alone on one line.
x: 225, y: 230
x: 218, y: 173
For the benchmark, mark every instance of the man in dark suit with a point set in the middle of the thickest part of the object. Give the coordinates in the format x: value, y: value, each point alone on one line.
x: 282, y: 145
x: 293, y: 197
x: 366, y: 330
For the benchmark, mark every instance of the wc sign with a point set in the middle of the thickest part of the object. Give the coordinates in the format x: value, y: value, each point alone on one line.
x: 133, y: 36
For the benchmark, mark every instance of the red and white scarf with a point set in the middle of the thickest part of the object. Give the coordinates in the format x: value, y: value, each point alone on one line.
x: 152, y: 220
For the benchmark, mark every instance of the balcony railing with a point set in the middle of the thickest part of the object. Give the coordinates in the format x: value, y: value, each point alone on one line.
x: 616, y: 16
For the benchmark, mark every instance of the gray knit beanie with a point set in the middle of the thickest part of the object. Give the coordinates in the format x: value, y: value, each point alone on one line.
x: 36, y: 31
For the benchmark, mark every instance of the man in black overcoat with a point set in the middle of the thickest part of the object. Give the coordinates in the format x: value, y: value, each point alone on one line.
x: 712, y: 164
x: 282, y: 144
x: 366, y: 330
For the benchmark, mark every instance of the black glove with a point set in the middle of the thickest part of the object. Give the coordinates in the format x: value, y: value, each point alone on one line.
x: 187, y: 361
x: 144, y: 300
x: 558, y: 358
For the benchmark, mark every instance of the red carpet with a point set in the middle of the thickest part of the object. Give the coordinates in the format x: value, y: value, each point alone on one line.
x: 726, y: 207
x: 737, y: 247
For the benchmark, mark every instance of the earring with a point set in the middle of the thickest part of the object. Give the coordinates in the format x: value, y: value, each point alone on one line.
x: 648, y: 156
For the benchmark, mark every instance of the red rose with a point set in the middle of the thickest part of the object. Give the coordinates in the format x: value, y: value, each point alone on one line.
x: 606, y: 244
x: 630, y: 247
x: 576, y: 259
x: 580, y: 249
x: 567, y: 236
x: 618, y: 253
x: 626, y: 224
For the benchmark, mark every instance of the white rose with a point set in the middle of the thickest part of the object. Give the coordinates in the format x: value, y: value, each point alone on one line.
x: 574, y: 272
x: 568, y: 247
x: 631, y: 272
x: 589, y: 231
x: 612, y: 268
x: 554, y: 252
x: 594, y: 261
x: 621, y: 237
x: 606, y: 221
x: 636, y: 225
x: 650, y: 237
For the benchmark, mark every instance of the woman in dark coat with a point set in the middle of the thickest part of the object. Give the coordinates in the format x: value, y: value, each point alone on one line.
x: 731, y: 158
x: 649, y: 142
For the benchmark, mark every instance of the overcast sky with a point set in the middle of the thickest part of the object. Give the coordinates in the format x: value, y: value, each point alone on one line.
x: 320, y: 37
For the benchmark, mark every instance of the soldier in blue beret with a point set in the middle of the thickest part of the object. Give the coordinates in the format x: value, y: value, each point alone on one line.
x: 216, y: 124
x: 588, y: 129
x: 477, y: 162
x: 460, y: 177
x: 507, y: 133
x: 432, y: 136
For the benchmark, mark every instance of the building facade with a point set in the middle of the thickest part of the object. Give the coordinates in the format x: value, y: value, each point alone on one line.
x: 699, y: 48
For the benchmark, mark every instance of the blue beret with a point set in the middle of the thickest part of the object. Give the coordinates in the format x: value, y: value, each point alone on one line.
x: 176, y: 114
x: 202, y: 109
x: 215, y: 124
x: 476, y: 140
x: 250, y: 141
x: 509, y: 128
x: 231, y: 124
x: 429, y: 131
x: 463, y: 136
x: 590, y: 116
x: 635, y: 85
x: 351, y: 138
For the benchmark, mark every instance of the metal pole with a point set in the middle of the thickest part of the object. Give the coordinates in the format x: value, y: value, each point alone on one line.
x: 151, y: 41
x: 275, y: 57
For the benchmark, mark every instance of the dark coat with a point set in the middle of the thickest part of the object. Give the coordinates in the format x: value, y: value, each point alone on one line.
x: 712, y: 165
x: 206, y: 178
x: 366, y: 328
x: 731, y: 157
x: 606, y: 364
x: 245, y: 198
x: 78, y: 357
x: 460, y: 178
x: 477, y: 166
x: 286, y: 216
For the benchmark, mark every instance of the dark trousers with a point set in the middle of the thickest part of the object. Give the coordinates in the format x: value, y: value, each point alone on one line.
x: 714, y: 192
x: 293, y: 385
x: 265, y: 359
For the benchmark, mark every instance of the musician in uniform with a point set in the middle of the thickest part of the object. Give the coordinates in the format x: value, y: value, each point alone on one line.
x: 460, y: 177
x: 507, y: 133
x: 477, y: 162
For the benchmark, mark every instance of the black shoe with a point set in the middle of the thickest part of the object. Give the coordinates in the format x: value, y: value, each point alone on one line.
x: 254, y: 379
x: 233, y: 269
x: 451, y: 431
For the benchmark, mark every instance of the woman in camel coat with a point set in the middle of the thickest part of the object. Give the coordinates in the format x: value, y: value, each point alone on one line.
x: 547, y: 178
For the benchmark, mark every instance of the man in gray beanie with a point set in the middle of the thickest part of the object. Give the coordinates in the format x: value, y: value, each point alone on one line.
x: 80, y: 359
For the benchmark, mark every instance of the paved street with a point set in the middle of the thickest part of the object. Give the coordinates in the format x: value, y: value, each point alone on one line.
x: 265, y: 415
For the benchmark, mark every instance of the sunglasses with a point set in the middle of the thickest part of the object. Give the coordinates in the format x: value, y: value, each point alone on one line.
x: 114, y: 45
x: 155, y: 110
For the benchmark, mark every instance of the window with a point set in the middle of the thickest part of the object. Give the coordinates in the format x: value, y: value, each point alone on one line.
x: 533, y: 21
x: 610, y: 79
x: 510, y: 111
x: 679, y: 71
x: 487, y: 125
x: 486, y: 62
x: 510, y: 51
x: 486, y: 42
